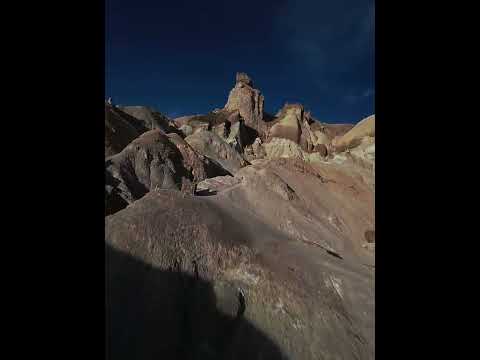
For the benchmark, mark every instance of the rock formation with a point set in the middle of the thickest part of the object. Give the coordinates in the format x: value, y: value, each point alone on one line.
x: 119, y: 130
x: 239, y: 235
x: 289, y: 124
x: 149, y: 118
x: 365, y: 128
x: 216, y: 149
x: 154, y: 161
x: 247, y: 100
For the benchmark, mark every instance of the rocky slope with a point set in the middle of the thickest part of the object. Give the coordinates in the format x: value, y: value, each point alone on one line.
x: 238, y: 235
x: 120, y: 130
x: 149, y: 118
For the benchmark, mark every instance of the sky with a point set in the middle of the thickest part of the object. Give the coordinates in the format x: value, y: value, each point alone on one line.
x: 180, y: 57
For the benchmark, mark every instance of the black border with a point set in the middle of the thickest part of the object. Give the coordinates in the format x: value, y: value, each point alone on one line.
x: 54, y: 169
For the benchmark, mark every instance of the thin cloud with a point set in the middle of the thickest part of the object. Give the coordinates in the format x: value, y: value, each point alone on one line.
x: 354, y: 98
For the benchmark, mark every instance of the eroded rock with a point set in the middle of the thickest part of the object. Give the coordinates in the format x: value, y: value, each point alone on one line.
x: 351, y: 139
x: 268, y: 240
x: 119, y: 130
x: 247, y: 100
x: 154, y: 161
x: 216, y: 149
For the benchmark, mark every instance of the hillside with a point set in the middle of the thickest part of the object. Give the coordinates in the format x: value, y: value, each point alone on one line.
x: 239, y: 235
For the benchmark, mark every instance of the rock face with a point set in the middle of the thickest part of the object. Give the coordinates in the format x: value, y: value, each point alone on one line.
x: 293, y: 123
x: 237, y: 136
x: 330, y: 130
x: 208, y: 121
x: 216, y: 149
x: 320, y: 138
x: 213, y: 185
x: 149, y: 118
x: 289, y: 124
x: 271, y: 266
x: 186, y: 130
x: 282, y: 148
x: 151, y: 162
x: 258, y: 149
x: 119, y: 130
x: 244, y: 78
x: 247, y: 100
x: 365, y: 128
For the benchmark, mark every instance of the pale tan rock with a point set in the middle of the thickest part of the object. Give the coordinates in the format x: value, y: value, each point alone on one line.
x: 283, y: 148
x: 247, y: 101
x: 365, y: 128
x: 289, y: 123
x: 320, y: 138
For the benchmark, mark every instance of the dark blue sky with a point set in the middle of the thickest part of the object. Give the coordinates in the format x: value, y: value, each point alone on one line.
x: 181, y: 56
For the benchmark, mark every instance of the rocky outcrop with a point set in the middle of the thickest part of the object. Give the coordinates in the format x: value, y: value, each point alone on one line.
x: 320, y: 138
x: 208, y: 121
x: 258, y: 149
x: 186, y: 130
x: 237, y: 136
x: 364, y: 153
x: 154, y: 161
x: 282, y: 148
x: 293, y: 123
x: 149, y: 118
x: 243, y: 78
x: 216, y: 184
x: 330, y: 130
x: 216, y: 149
x: 351, y: 139
x: 289, y: 123
x: 247, y: 100
x: 119, y: 130
x: 321, y: 149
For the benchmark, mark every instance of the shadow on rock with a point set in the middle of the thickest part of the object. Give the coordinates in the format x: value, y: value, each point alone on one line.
x: 169, y: 314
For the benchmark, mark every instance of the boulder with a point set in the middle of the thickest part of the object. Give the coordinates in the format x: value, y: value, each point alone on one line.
x: 216, y: 149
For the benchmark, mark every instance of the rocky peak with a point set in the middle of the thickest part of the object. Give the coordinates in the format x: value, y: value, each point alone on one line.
x: 296, y: 109
x: 244, y: 78
x: 247, y: 100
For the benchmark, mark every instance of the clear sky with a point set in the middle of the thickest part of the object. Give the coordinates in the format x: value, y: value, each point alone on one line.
x: 180, y: 57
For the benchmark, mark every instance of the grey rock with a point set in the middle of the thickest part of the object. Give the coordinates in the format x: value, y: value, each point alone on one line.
x: 215, y: 148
